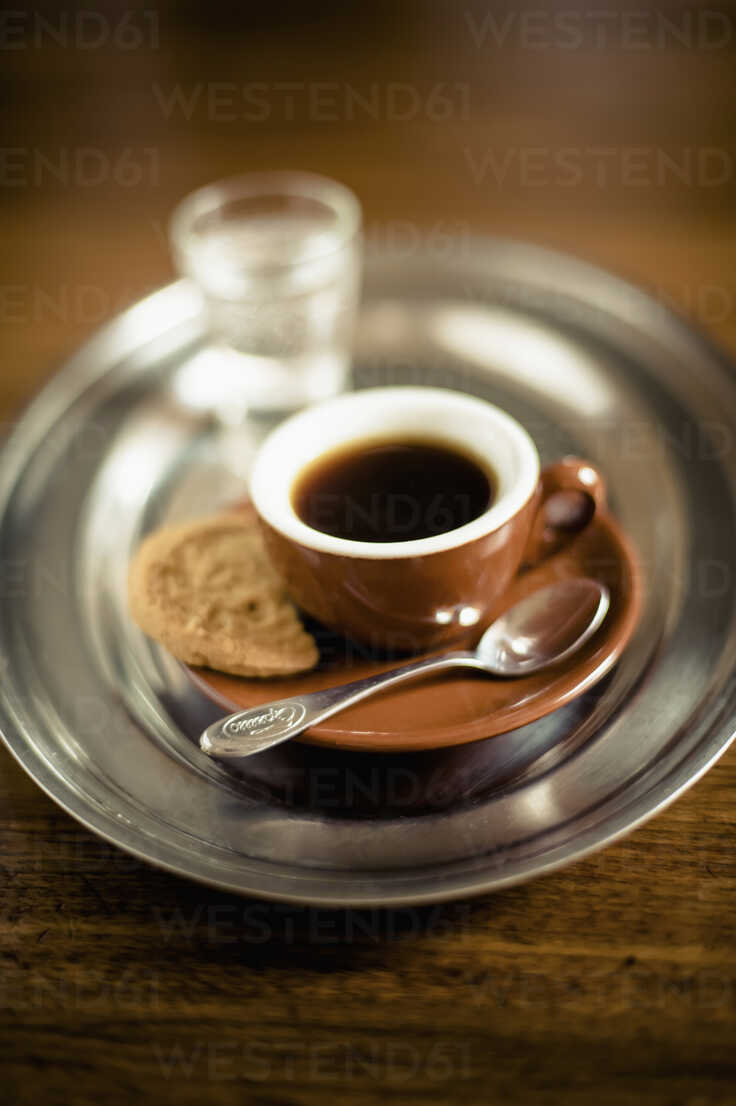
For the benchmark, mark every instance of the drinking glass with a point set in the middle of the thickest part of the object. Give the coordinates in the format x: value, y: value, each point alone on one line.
x: 277, y: 259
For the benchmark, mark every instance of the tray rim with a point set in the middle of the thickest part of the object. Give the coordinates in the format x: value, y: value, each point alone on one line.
x: 84, y: 367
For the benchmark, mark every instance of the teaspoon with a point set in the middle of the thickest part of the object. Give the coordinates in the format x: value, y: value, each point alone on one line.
x: 540, y: 630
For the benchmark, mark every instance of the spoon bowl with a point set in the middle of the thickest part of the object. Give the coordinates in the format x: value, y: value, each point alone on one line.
x: 544, y: 628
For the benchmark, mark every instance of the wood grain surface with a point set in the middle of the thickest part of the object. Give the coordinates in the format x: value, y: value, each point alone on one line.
x: 609, y: 133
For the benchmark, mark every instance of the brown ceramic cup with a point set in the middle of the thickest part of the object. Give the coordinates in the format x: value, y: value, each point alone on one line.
x: 413, y: 595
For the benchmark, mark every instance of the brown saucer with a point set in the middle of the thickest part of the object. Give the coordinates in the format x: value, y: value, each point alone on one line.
x: 453, y: 709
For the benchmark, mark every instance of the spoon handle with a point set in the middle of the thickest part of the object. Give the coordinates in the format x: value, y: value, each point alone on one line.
x: 250, y: 731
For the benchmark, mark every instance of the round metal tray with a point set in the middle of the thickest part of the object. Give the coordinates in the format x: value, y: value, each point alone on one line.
x: 124, y: 438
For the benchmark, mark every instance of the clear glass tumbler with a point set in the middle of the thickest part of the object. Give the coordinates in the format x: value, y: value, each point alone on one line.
x: 277, y: 259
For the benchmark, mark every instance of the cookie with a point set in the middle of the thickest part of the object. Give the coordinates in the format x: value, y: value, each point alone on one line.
x: 208, y: 592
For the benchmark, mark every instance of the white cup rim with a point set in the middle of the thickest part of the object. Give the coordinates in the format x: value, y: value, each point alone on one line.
x: 454, y: 417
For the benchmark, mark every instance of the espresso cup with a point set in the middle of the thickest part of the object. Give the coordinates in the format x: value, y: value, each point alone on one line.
x: 407, y: 596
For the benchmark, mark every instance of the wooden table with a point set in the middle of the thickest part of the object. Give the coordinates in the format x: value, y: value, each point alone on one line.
x: 613, y: 981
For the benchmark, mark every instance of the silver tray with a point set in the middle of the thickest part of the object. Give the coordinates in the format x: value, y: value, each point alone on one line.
x: 122, y: 439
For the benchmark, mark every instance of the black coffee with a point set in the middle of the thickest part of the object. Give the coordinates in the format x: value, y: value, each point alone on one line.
x: 383, y: 491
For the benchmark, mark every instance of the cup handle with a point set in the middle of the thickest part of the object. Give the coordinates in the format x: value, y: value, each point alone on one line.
x: 571, y: 492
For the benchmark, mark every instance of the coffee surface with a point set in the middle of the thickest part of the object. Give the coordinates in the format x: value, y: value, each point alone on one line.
x: 392, y: 490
